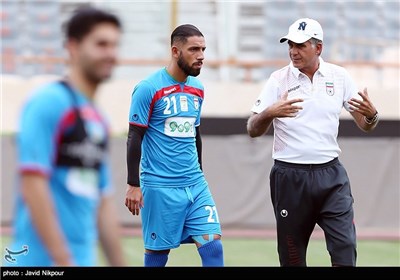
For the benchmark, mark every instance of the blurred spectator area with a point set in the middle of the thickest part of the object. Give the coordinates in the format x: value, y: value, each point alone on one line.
x: 242, y: 37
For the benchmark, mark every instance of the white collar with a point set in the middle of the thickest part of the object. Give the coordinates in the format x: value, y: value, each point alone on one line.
x: 321, y: 69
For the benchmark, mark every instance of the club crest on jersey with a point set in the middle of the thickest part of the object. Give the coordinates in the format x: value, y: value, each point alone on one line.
x: 330, y: 90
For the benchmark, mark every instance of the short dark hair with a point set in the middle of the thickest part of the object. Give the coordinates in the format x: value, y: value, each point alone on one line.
x: 85, y: 18
x: 182, y: 32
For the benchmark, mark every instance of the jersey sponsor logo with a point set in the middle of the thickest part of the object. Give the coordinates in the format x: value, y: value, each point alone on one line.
x: 293, y: 88
x: 179, y: 127
x: 88, y: 152
x: 168, y: 91
x: 83, y: 182
x: 330, y: 90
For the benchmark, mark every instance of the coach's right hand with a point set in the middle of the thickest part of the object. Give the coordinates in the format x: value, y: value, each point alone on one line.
x: 134, y: 199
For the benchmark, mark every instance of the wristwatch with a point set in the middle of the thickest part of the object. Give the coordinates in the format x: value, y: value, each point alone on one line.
x: 372, y: 120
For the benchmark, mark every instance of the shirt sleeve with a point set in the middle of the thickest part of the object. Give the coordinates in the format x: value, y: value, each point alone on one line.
x: 267, y: 97
x: 200, y: 106
x: 36, y: 138
x: 350, y: 89
x: 140, y: 107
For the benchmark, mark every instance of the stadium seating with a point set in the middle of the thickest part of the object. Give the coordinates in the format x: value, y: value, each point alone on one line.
x: 244, y: 31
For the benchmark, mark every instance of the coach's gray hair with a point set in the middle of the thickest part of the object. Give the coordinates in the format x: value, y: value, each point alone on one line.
x: 315, y: 41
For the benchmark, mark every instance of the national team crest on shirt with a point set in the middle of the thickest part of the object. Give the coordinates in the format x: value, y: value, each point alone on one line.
x: 196, y: 103
x: 330, y: 90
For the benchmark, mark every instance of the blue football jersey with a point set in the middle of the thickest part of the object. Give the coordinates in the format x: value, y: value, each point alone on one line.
x: 71, y: 150
x: 170, y: 111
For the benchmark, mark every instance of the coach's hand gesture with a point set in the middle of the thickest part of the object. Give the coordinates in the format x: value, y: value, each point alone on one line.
x: 284, y: 108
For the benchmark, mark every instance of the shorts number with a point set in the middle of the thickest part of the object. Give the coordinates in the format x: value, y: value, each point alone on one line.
x: 212, y: 213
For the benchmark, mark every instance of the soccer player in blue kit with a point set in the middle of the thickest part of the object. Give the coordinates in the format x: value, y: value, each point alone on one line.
x: 65, y: 206
x: 165, y: 178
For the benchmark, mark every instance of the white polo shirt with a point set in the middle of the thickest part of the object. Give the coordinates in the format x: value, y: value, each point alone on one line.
x: 311, y: 136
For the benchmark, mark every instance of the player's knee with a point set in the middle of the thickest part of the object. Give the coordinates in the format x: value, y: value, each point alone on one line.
x: 205, y: 238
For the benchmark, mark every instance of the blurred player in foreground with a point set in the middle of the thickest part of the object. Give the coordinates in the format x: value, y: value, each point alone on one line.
x: 64, y: 204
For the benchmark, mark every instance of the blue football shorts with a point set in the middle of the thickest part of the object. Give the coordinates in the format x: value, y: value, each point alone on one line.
x: 171, y: 215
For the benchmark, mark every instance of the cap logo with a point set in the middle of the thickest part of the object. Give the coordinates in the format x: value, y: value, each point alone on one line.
x: 302, y: 26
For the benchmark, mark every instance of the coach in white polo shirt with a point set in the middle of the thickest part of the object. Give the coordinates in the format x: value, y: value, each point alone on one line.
x: 309, y: 185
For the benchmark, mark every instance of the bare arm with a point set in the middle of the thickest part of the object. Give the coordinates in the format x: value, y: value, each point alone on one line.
x: 362, y: 123
x: 109, y: 233
x: 259, y: 124
x: 35, y: 192
x: 365, y: 114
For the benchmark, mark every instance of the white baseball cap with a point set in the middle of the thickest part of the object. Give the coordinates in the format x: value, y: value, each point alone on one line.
x: 302, y: 30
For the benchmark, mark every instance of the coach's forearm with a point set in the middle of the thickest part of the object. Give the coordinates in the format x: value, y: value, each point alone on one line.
x: 259, y: 124
x: 363, y: 123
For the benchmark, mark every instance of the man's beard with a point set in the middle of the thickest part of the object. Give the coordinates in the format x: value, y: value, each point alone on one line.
x: 90, y: 69
x: 93, y: 78
x: 185, y: 67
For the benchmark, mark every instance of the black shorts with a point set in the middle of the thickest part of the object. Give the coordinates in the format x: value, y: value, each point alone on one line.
x: 304, y: 195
